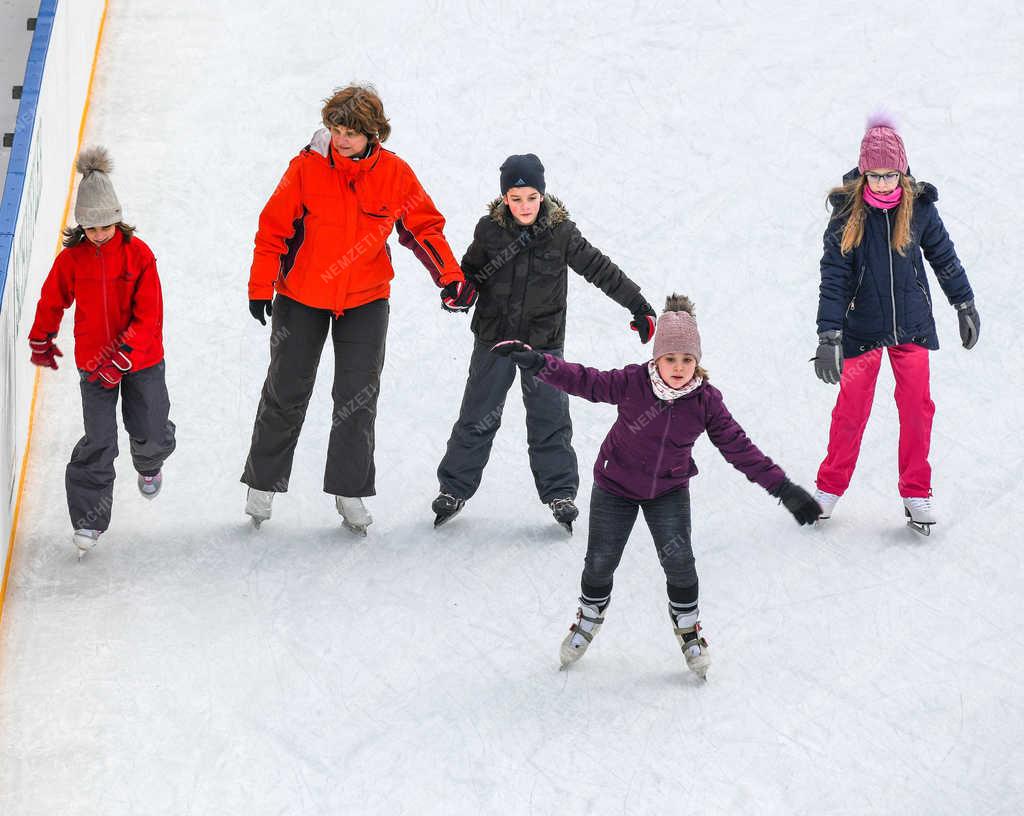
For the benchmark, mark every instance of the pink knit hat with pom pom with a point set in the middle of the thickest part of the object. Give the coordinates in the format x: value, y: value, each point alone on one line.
x: 882, y: 146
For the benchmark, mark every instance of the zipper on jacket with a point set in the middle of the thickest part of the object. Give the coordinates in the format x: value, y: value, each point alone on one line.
x: 924, y: 291
x: 103, y: 288
x: 856, y: 291
x: 892, y: 281
x: 661, y: 450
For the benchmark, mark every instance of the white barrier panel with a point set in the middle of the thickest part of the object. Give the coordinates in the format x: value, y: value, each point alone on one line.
x: 54, y: 96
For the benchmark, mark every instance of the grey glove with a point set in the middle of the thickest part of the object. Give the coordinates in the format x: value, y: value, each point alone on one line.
x: 828, y: 361
x: 970, y: 323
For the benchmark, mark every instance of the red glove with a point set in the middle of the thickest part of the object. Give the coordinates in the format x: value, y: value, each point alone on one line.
x: 45, y: 352
x: 109, y: 372
x: 458, y: 296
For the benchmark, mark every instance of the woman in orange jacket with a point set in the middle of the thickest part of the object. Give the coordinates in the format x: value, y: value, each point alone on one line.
x: 322, y: 247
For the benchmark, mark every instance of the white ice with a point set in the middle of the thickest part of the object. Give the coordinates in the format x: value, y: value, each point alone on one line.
x: 191, y: 665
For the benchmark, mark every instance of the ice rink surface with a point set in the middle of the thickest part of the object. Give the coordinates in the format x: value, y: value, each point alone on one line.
x: 193, y: 665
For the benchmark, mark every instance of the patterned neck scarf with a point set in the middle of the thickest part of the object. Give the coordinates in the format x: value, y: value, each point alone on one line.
x: 661, y: 389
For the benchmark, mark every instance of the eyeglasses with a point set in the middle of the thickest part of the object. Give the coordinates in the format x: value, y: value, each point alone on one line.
x: 888, y: 178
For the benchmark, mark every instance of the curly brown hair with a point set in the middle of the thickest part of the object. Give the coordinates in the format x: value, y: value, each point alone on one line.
x: 357, y: 107
x: 76, y: 234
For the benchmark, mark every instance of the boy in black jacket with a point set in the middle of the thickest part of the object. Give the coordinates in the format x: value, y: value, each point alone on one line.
x: 519, y: 263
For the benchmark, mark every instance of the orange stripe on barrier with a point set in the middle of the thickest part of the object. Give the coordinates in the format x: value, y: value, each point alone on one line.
x: 35, y: 384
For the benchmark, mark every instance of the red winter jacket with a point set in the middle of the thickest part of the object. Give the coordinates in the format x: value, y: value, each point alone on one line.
x: 322, y: 237
x: 116, y: 292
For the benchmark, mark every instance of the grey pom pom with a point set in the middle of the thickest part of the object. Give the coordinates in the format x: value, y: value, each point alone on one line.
x: 679, y: 303
x: 92, y: 159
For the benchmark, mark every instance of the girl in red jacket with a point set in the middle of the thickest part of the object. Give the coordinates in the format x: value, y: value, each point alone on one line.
x: 111, y: 277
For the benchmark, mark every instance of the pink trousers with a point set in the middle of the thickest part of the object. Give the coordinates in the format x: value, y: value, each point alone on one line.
x: 853, y: 407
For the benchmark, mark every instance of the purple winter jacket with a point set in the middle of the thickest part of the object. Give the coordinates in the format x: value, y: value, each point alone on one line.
x: 647, y: 452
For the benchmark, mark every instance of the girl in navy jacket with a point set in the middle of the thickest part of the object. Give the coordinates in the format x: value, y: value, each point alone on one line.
x: 874, y: 295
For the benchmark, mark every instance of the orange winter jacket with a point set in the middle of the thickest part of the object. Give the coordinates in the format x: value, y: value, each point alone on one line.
x: 322, y: 237
x: 117, y: 297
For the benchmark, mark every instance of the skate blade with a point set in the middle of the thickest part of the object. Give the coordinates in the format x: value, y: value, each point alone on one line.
x: 441, y: 518
x: 256, y: 521
x: 919, y: 527
x: 358, y: 529
x: 566, y: 525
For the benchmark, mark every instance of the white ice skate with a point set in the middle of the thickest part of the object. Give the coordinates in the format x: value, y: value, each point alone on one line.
x: 85, y: 540
x: 827, y: 502
x: 694, y: 646
x: 149, y: 486
x: 354, y: 514
x: 588, y: 623
x: 257, y: 505
x: 920, y: 516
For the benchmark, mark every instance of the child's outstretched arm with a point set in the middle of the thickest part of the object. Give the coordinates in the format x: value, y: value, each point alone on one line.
x: 572, y: 378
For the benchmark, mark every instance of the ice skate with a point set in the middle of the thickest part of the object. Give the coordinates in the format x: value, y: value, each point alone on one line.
x: 257, y: 505
x: 446, y: 507
x: 694, y: 646
x: 827, y: 502
x: 920, y: 516
x: 565, y: 513
x: 85, y: 540
x: 149, y: 486
x: 588, y: 623
x: 354, y: 515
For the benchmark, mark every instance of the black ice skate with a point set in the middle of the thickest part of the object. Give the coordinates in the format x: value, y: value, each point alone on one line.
x: 565, y: 513
x: 446, y: 507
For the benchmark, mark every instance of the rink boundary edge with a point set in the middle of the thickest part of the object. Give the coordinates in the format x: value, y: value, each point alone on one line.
x: 36, y: 379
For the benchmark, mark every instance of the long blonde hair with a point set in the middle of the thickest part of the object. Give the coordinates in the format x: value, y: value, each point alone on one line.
x: 855, y: 212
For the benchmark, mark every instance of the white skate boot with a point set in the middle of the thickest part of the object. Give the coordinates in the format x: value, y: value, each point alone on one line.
x: 257, y: 505
x: 149, y: 486
x: 920, y: 515
x: 354, y: 514
x: 827, y: 502
x: 694, y: 646
x: 85, y: 540
x: 588, y: 623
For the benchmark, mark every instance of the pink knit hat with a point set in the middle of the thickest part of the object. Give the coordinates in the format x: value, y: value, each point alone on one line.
x: 676, y: 332
x: 882, y: 146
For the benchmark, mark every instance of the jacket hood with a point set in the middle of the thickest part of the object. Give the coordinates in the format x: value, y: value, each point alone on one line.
x: 551, y: 209
x: 922, y: 189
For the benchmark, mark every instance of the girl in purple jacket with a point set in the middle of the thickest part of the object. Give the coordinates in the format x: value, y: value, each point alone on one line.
x: 645, y: 463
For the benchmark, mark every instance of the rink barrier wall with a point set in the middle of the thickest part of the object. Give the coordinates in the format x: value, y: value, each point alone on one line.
x: 36, y: 201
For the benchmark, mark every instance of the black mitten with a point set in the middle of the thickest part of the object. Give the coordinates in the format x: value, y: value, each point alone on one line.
x: 257, y: 308
x: 522, y: 355
x: 798, y: 502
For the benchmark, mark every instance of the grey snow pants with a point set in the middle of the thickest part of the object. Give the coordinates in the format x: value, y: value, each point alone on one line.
x: 297, y: 341
x: 548, y: 429
x: 89, y: 477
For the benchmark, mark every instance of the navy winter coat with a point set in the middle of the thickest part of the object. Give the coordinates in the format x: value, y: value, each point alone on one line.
x: 878, y: 297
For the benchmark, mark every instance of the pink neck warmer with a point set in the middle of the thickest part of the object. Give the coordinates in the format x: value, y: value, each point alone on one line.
x: 883, y: 202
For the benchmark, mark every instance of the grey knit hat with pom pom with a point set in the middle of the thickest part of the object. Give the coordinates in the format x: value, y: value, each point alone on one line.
x: 676, y: 332
x: 97, y: 204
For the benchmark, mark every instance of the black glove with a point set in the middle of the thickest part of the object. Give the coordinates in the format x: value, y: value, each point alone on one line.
x: 828, y: 362
x: 798, y: 502
x: 258, y: 307
x: 970, y: 323
x: 521, y: 353
x: 643, y: 322
x: 458, y: 296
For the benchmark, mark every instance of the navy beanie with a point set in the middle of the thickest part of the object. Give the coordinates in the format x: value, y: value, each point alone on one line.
x: 522, y: 171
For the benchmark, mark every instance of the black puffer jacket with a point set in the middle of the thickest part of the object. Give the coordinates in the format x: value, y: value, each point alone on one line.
x: 522, y: 277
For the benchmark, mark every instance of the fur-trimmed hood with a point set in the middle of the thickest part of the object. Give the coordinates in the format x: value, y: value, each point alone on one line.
x: 552, y: 210
x: 922, y: 189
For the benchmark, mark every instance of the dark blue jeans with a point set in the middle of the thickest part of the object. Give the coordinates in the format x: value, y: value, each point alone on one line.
x: 611, y: 521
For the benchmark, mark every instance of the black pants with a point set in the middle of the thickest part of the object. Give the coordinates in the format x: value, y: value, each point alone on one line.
x: 296, y: 343
x: 548, y: 429
x: 89, y: 477
x: 611, y: 521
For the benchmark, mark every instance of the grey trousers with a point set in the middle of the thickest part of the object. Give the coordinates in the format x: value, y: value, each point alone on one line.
x: 548, y: 429
x: 611, y: 521
x: 89, y: 477
x: 297, y: 341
